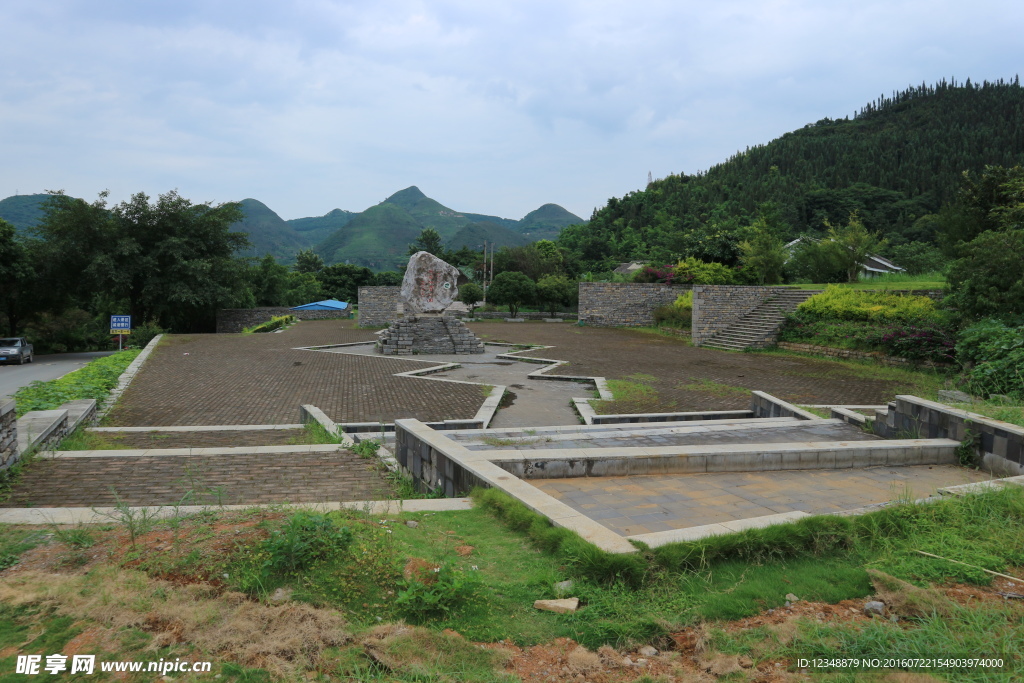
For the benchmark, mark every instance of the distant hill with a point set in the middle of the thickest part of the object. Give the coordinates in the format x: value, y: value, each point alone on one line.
x: 546, y: 222
x: 475, y: 234
x: 268, y: 232
x: 378, y: 238
x: 900, y: 159
x: 318, y: 228
x: 375, y: 239
x: 23, y: 211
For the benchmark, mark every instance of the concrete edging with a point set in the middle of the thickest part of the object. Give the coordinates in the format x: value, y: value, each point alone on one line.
x: 127, y: 376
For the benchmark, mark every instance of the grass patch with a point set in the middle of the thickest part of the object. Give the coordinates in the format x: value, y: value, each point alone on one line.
x: 94, y: 380
x: 275, y: 323
x: 923, y: 382
x: 83, y: 440
x: 894, y: 281
x: 709, y: 386
x: 997, y: 410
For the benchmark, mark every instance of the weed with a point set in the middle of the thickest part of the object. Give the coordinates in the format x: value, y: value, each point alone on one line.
x: 83, y: 440
x: 967, y: 453
x: 366, y: 448
x: 78, y: 536
x: 135, y: 520
x: 436, y: 594
x: 305, y: 538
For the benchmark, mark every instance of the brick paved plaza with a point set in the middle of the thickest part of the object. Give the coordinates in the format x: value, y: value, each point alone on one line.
x: 261, y: 379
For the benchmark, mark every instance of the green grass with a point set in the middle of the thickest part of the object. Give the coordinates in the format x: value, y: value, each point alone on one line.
x: 83, y: 440
x: 923, y: 382
x: 897, y: 281
x: 714, y: 388
x: 16, y: 540
x: 997, y: 410
x: 94, y: 380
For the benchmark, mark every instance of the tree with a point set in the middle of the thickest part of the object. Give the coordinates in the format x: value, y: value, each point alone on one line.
x: 763, y: 255
x: 16, y: 276
x: 308, y: 261
x: 471, y: 295
x: 512, y: 289
x: 851, y: 245
x: 430, y: 242
x: 987, y: 280
x: 342, y: 281
x: 170, y: 261
x: 388, y: 278
x: 555, y: 291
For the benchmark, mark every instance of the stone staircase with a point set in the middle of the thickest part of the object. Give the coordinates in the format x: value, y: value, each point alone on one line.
x: 759, y: 328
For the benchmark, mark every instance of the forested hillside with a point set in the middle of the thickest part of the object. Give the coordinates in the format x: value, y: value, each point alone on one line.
x: 896, y: 163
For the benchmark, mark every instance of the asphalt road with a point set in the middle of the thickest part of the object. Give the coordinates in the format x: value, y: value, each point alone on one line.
x: 43, y: 368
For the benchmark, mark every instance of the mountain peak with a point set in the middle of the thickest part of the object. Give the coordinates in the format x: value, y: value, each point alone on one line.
x: 410, y: 196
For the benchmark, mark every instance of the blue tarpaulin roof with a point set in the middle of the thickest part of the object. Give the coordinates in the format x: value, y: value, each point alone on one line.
x: 328, y: 305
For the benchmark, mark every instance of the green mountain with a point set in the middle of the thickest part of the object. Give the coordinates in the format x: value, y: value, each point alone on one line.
x: 474, y: 235
x: 378, y: 238
x: 546, y: 222
x: 318, y: 228
x: 896, y: 163
x: 268, y: 232
x: 23, y: 211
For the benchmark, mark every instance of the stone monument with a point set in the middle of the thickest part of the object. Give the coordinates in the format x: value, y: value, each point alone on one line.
x: 425, y: 324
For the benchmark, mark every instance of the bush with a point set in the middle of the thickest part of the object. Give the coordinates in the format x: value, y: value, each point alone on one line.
x: 988, y: 280
x: 436, y: 594
x: 649, y: 274
x: 845, y: 303
x: 471, y: 294
x: 993, y: 353
x: 913, y: 341
x: 693, y: 271
x: 305, y: 538
x: 143, y: 334
x: 679, y: 313
x: 556, y: 290
x: 275, y: 323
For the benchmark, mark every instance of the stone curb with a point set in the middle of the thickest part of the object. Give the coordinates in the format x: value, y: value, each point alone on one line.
x: 197, y: 428
x: 105, y: 515
x: 178, y: 452
x: 127, y: 376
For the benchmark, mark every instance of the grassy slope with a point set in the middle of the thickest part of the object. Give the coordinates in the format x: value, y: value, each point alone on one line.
x: 268, y: 232
x: 546, y: 222
x: 23, y: 211
x: 475, y: 234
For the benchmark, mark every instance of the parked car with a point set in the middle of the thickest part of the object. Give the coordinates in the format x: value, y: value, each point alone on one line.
x: 15, y: 350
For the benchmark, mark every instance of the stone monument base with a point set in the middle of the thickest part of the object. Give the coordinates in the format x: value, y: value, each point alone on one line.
x: 428, y: 334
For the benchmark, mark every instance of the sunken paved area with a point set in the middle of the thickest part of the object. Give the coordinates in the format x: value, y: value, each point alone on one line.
x: 671, y: 364
x: 233, y: 379
x: 248, y: 478
x: 646, y: 504
x: 653, y: 436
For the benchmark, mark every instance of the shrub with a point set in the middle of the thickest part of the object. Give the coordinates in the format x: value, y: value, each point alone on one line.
x: 275, y: 323
x: 988, y: 281
x: 845, y: 303
x: 913, y: 341
x: 693, y: 271
x: 649, y: 274
x: 437, y: 594
x: 994, y: 355
x: 304, y: 539
x: 679, y: 313
x: 471, y: 294
x: 556, y: 290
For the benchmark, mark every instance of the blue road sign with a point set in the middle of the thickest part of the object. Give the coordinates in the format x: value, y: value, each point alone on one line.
x: 120, y: 324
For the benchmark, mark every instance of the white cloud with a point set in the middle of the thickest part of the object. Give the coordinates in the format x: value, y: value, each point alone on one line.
x: 488, y: 107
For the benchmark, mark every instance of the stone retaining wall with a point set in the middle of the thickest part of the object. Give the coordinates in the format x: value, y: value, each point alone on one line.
x: 998, y: 445
x: 234, y: 320
x: 624, y: 304
x: 9, y: 453
x: 716, y: 307
x: 422, y: 457
x: 766, y: 405
x: 831, y: 352
x: 378, y: 306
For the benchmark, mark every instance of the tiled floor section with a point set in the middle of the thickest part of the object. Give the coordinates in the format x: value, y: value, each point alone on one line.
x: 212, y: 439
x: 684, y: 436
x: 216, y: 479
x: 231, y: 379
x: 645, y: 504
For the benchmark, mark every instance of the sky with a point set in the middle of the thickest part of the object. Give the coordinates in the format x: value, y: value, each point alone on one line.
x: 488, y: 107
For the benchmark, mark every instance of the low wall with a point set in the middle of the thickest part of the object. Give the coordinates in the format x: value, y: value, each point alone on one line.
x: 879, y: 357
x: 421, y: 455
x: 624, y: 304
x: 716, y: 307
x: 42, y: 429
x: 233, y: 320
x: 999, y: 446
x: 766, y: 405
x: 9, y: 452
x: 378, y: 306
